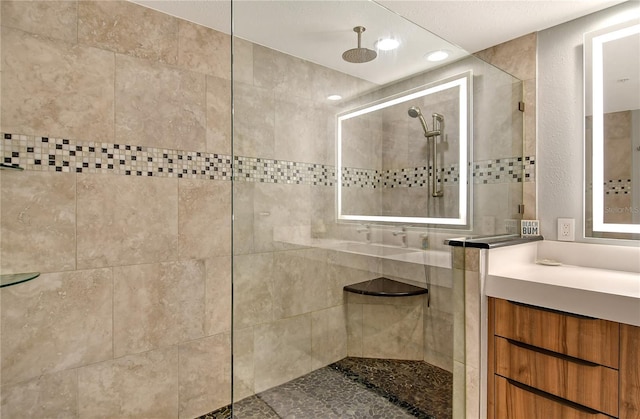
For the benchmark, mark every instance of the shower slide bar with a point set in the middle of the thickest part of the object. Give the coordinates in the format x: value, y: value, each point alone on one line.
x: 438, y: 129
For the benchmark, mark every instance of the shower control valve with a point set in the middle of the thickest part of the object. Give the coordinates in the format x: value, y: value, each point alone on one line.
x: 402, y: 233
x: 365, y: 228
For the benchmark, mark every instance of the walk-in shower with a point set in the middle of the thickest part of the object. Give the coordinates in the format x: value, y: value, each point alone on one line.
x: 437, y: 131
x: 312, y: 171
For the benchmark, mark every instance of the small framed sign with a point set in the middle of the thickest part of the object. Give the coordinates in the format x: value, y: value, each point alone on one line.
x: 529, y: 228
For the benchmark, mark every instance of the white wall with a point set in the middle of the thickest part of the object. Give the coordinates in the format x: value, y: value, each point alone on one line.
x: 560, y: 117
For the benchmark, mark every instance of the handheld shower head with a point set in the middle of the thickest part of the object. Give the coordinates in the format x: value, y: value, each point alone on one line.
x: 415, y: 112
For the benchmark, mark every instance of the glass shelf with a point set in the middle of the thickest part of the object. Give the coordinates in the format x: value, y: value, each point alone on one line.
x: 4, y: 166
x: 13, y: 279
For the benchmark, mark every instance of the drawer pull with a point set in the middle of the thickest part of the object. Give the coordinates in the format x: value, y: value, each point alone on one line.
x: 556, y: 399
x: 553, y: 354
x: 550, y: 310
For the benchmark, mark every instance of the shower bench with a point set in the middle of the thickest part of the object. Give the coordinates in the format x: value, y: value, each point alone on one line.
x: 385, y: 287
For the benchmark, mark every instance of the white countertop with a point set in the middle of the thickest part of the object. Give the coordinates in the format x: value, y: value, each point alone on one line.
x: 604, y: 293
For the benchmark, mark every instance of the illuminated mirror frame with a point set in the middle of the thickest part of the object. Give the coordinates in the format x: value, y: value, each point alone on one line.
x: 464, y: 84
x: 597, y: 106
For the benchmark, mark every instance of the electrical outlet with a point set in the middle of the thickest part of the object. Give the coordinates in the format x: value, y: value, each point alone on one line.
x: 566, y: 229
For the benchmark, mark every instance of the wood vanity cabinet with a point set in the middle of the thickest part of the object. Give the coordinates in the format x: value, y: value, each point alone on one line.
x: 549, y: 364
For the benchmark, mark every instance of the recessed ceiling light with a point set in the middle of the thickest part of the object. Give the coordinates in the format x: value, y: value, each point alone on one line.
x: 437, y: 55
x: 334, y: 97
x: 387, y: 44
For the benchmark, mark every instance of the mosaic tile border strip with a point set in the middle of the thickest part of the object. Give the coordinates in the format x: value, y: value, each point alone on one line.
x: 256, y: 169
x: 419, y: 177
x: 504, y: 170
x: 64, y: 155
x: 617, y: 187
x: 363, y: 178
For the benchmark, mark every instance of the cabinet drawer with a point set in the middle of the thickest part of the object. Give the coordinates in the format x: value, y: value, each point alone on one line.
x: 587, y: 384
x: 514, y: 401
x: 577, y: 336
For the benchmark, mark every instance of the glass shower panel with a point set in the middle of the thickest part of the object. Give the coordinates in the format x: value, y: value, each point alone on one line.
x: 302, y: 344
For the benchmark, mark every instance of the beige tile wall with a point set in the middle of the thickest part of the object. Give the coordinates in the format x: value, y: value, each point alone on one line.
x: 131, y: 315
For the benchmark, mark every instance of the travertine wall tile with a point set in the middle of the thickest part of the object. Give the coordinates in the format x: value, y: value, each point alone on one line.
x: 252, y: 289
x: 124, y: 220
x: 243, y: 215
x: 285, y: 351
x: 438, y: 329
x: 618, y: 145
x: 279, y: 209
x: 299, y: 282
x: 459, y: 390
x: 158, y: 105
x: 458, y: 302
x: 218, y: 296
x: 439, y: 360
x: 243, y: 363
x: 242, y: 61
x: 56, y: 88
x: 323, y: 212
x: 303, y: 129
x: 328, y: 336
x: 472, y: 317
x: 53, y: 19
x: 204, y: 375
x: 472, y: 259
x: 157, y: 305
x: 37, y: 223
x: 253, y: 121
x: 218, y: 115
x: 136, y: 386
x: 56, y: 322
x: 127, y: 28
x: 530, y: 129
x: 204, y: 219
x: 354, y: 329
x: 204, y: 50
x: 529, y: 200
x: 393, y: 332
x: 517, y: 57
x: 272, y: 70
x: 48, y: 396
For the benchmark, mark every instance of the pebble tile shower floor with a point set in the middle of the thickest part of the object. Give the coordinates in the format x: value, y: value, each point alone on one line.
x: 354, y: 388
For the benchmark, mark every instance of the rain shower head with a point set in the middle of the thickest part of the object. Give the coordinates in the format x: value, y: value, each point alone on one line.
x: 359, y: 55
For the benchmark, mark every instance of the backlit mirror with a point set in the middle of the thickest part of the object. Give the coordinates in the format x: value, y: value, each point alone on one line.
x: 612, y: 131
x: 405, y: 158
